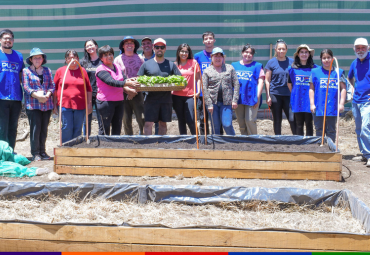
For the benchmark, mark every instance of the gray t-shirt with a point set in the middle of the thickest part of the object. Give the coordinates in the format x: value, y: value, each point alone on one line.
x: 152, y: 68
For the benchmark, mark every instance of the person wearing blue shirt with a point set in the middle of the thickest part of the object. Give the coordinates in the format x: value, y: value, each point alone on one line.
x: 299, y: 86
x: 277, y: 91
x: 318, y: 86
x: 11, y: 93
x: 204, y: 60
x: 359, y: 77
x: 251, y: 80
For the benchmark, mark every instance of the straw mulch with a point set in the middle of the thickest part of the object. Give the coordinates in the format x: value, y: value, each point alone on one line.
x: 254, y: 214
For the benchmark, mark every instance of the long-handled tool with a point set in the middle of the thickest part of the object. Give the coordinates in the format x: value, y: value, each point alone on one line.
x: 204, y: 108
x: 195, y: 104
x: 338, y: 81
x: 326, y: 103
x: 61, y: 100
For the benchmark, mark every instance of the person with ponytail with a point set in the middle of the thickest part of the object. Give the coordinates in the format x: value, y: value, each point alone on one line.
x: 277, y: 91
x: 318, y: 86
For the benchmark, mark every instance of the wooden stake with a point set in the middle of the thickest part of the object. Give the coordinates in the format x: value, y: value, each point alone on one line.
x: 195, y: 104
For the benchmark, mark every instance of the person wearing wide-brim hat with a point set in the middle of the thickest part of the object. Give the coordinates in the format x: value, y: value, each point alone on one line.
x: 299, y: 85
x: 130, y: 62
x: 38, y: 89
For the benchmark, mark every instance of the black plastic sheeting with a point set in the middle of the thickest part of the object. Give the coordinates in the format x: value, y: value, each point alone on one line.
x: 217, y: 139
x: 187, y: 195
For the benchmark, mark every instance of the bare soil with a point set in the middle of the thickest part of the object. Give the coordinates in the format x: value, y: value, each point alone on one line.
x: 358, y: 182
x: 228, y: 146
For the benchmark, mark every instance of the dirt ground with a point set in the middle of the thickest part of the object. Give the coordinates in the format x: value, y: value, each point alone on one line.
x: 358, y: 182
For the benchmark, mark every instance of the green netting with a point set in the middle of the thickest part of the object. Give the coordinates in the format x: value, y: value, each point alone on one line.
x: 12, y: 165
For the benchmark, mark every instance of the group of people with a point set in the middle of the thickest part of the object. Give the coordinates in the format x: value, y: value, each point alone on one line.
x: 296, y: 86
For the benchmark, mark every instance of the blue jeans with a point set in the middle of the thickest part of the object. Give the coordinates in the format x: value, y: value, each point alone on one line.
x: 361, y: 113
x: 72, y: 121
x: 222, y: 114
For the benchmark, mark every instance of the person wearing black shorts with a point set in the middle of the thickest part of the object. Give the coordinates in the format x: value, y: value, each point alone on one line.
x: 158, y: 105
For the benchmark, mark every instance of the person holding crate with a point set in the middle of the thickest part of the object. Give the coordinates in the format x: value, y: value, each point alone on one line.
x: 158, y: 105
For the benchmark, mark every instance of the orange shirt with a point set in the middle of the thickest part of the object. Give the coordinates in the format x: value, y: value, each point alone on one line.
x: 188, y: 72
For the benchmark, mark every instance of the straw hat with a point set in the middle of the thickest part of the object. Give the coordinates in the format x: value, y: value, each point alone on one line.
x: 304, y: 46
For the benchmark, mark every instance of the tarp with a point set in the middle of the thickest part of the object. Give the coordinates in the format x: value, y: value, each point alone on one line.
x: 217, y: 139
x: 186, y: 194
x: 13, y: 165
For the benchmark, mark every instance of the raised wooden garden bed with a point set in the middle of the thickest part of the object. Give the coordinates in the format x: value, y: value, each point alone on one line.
x: 193, y: 163
x: 44, y: 237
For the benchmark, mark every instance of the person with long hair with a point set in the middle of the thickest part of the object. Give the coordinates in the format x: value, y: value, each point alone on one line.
x: 318, y: 86
x: 299, y: 85
x: 183, y: 100
x: 221, y: 90
x: 38, y: 87
x: 251, y: 80
x: 90, y: 62
x: 73, y: 105
x: 277, y: 91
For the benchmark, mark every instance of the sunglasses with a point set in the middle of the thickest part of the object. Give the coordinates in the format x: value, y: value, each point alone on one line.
x: 159, y: 47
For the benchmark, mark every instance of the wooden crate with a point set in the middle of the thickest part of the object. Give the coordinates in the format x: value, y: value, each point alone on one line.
x: 192, y: 163
x: 62, y: 238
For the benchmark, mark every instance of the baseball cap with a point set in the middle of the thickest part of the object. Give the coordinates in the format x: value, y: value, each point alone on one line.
x: 217, y: 50
x: 361, y: 41
x: 159, y: 40
x: 146, y: 38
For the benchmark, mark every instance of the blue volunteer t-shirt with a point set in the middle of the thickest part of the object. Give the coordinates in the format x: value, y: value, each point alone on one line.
x: 299, y: 97
x: 248, y: 79
x: 10, y: 85
x: 319, y: 78
x: 361, y: 72
x: 204, y: 60
x: 279, y: 76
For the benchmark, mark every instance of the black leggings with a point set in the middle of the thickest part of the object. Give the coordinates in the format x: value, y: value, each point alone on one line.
x: 111, y: 112
x: 184, y: 108
x: 302, y: 118
x: 279, y: 104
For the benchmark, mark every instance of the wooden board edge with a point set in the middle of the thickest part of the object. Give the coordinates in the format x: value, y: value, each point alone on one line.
x: 210, y: 173
x: 200, y: 164
x: 200, y: 154
x: 26, y: 245
x: 186, y: 237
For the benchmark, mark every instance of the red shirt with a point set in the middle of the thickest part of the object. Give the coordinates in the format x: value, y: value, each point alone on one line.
x: 73, y: 93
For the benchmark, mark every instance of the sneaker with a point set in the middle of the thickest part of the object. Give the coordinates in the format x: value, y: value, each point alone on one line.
x: 367, y: 163
x: 37, y: 157
x: 45, y: 156
x: 359, y: 159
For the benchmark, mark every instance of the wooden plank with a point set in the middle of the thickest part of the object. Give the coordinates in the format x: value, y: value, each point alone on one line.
x: 223, y: 173
x: 199, y: 163
x: 199, y: 154
x: 21, y: 245
x: 187, y: 237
